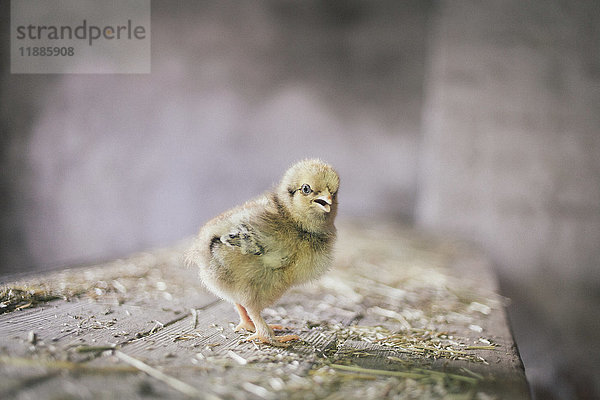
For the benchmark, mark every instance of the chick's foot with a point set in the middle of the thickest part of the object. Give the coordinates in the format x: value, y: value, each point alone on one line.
x: 278, y: 327
x: 245, y: 325
x: 287, y: 338
x: 277, y: 341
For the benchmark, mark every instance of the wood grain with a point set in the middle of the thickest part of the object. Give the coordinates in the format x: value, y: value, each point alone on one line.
x: 402, y: 315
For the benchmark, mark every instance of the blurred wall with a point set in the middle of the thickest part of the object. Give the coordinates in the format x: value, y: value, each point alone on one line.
x: 511, y: 159
x: 96, y: 166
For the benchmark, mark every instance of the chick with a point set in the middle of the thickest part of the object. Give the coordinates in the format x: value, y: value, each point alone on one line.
x: 251, y: 254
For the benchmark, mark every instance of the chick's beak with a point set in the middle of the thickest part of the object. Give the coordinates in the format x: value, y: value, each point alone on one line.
x: 324, y: 202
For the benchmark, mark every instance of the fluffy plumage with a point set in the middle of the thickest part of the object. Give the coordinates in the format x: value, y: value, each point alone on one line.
x: 252, y: 254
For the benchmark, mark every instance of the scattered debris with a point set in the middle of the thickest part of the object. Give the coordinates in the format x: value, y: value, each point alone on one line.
x: 54, y: 364
x: 19, y: 297
x: 240, y: 360
x: 153, y: 372
x: 32, y: 338
x: 94, y: 349
x: 157, y: 326
x: 417, y: 373
x: 194, y: 318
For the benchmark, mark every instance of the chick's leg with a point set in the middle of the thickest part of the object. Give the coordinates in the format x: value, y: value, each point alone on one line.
x: 245, y: 321
x: 247, y: 324
x: 265, y: 333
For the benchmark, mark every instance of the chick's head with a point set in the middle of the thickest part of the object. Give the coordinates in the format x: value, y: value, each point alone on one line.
x: 308, y: 192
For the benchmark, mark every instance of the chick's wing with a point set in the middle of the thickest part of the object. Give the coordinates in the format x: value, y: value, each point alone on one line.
x: 244, y: 237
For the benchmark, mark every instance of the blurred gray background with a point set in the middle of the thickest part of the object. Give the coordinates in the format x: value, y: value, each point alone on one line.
x: 474, y: 119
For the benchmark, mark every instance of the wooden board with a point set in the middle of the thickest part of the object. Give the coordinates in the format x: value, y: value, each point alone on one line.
x: 401, y: 315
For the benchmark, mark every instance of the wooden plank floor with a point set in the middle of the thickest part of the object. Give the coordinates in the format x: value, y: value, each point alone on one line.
x: 400, y: 316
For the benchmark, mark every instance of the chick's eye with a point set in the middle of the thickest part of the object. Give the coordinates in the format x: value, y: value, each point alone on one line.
x: 306, y: 189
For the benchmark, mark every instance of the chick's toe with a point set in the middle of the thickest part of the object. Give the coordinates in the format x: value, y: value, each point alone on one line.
x: 245, y: 326
x: 287, y: 338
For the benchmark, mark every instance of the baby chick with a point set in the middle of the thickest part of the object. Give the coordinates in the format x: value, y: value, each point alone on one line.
x: 251, y: 254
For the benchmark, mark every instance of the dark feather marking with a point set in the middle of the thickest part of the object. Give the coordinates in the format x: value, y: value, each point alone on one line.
x: 278, y: 204
x: 213, y: 242
x: 260, y: 251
